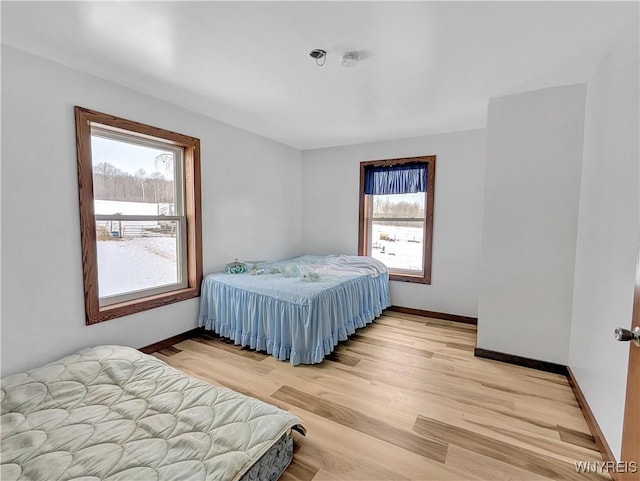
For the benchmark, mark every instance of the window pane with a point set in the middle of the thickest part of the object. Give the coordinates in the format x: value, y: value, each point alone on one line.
x: 399, y: 245
x: 399, y: 205
x: 132, y: 179
x: 135, y: 255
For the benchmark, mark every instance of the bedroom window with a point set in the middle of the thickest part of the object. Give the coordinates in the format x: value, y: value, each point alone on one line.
x: 139, y: 190
x: 396, y: 215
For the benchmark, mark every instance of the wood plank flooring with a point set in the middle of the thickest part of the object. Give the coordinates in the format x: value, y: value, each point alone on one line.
x: 405, y: 399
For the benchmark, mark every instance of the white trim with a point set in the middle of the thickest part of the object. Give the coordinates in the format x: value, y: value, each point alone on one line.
x: 134, y: 138
x: 140, y: 294
x: 138, y: 218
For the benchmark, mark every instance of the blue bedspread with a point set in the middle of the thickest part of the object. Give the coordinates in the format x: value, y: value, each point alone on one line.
x: 289, y: 317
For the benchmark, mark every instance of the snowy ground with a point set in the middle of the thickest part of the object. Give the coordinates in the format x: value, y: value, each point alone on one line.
x: 404, y: 249
x: 140, y: 263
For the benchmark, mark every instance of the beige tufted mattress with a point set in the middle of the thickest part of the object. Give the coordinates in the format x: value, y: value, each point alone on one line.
x: 113, y: 413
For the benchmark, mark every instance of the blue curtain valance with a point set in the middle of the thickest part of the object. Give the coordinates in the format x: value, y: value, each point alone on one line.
x: 397, y: 179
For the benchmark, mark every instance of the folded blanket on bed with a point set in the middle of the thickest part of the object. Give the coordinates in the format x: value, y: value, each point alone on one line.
x: 334, y: 264
x: 113, y: 413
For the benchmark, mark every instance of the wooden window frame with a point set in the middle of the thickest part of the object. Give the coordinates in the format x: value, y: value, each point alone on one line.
x: 94, y: 313
x: 364, y: 220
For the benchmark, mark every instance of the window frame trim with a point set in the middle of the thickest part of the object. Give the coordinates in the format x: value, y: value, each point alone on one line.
x: 191, y: 178
x: 364, y: 224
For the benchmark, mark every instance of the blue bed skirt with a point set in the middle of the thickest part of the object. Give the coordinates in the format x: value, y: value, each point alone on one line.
x: 290, y: 318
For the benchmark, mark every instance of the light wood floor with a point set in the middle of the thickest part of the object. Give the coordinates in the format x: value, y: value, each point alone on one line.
x: 406, y: 399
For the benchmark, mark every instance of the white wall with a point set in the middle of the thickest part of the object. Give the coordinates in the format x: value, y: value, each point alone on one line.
x: 607, y: 242
x: 250, y: 205
x: 534, y: 157
x: 330, y: 183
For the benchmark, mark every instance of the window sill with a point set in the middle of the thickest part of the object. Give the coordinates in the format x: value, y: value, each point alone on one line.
x: 122, y: 309
x: 409, y: 278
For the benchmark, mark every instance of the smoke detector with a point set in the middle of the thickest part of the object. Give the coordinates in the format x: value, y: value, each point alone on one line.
x: 350, y: 59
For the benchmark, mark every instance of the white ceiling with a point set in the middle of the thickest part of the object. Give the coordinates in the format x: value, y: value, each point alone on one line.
x: 428, y: 67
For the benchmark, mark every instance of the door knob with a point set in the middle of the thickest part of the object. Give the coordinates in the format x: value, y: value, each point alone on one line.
x: 623, y: 334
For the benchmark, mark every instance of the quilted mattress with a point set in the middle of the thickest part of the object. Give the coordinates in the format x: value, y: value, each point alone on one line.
x: 113, y: 413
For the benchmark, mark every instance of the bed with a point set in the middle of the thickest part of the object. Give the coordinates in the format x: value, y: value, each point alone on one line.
x: 297, y: 309
x: 113, y: 413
